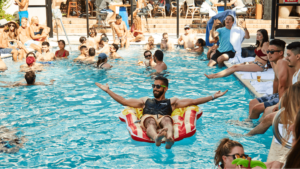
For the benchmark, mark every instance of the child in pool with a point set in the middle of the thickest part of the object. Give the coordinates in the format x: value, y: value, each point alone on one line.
x: 62, y: 53
x: 102, y: 62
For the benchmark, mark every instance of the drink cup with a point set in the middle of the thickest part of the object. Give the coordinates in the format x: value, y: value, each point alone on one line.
x: 258, y: 74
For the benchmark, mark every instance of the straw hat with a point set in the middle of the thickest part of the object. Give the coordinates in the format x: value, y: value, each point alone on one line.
x: 17, y: 25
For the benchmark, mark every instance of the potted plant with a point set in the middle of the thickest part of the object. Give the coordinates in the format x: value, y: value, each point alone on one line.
x: 258, y: 9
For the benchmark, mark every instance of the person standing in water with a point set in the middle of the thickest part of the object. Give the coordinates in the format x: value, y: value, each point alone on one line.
x: 46, y: 55
x: 188, y: 39
x: 62, y: 52
x: 157, y: 111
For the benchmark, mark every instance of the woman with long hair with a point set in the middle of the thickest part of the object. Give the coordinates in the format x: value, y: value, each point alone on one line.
x: 136, y: 33
x: 261, y: 59
x: 102, y: 62
x: 292, y: 160
x: 62, y: 52
x: 227, y: 151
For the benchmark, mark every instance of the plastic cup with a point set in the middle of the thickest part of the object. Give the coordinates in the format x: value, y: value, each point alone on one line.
x: 258, y: 74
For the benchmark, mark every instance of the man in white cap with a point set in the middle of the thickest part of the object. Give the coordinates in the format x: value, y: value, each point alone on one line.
x: 187, y: 39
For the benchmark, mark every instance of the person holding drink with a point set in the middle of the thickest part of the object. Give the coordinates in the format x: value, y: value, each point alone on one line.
x: 282, y: 81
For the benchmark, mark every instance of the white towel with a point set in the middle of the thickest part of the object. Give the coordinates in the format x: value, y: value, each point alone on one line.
x: 237, y: 35
x: 263, y: 87
x: 266, y: 75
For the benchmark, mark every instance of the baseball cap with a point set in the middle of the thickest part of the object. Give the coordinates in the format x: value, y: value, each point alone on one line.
x: 102, y: 56
x: 187, y: 27
x: 105, y: 39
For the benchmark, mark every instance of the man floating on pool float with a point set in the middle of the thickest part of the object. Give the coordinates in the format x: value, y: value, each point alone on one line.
x: 157, y: 111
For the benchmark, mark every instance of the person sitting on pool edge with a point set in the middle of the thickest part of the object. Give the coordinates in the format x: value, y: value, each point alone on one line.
x: 157, y: 111
x: 225, y: 50
x: 30, y: 79
x: 166, y: 43
x: 150, y: 45
x: 84, y: 53
x: 90, y: 59
x: 102, y: 62
x: 227, y: 151
x: 31, y: 64
x: 62, y: 52
x: 113, y: 52
x: 158, y: 59
x: 105, y: 49
x: 3, y: 66
x: 46, y: 55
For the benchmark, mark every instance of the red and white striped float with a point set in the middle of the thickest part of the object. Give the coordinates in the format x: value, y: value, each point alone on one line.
x: 184, y: 119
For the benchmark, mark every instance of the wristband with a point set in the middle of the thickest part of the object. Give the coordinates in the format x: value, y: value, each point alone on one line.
x: 213, y: 97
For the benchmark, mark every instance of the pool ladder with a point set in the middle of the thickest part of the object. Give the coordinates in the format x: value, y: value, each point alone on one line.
x: 64, y: 31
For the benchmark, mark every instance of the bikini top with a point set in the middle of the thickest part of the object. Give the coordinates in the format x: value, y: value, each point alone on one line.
x: 38, y: 33
x: 64, y: 54
x: 260, y: 54
x: 101, y: 65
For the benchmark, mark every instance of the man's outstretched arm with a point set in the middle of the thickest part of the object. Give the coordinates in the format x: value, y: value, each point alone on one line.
x: 136, y: 103
x: 179, y: 103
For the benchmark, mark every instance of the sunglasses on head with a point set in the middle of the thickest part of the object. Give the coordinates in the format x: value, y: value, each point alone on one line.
x: 235, y: 156
x: 272, y: 51
x: 157, y: 86
x: 147, y: 56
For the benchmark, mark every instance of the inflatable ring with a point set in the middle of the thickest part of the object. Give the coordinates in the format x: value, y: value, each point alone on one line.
x: 184, y: 119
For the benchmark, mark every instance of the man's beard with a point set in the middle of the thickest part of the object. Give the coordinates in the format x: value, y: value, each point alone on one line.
x: 158, y: 95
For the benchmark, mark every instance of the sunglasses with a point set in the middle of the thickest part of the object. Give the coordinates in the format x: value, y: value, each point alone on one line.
x: 157, y: 86
x: 272, y: 51
x: 12, y: 25
x: 186, y: 28
x: 147, y: 56
x: 235, y: 156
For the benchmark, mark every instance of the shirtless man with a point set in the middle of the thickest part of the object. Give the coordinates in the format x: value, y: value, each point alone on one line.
x: 31, y: 64
x: 113, y: 52
x: 83, y: 55
x: 38, y: 32
x: 150, y: 44
x: 165, y: 43
x: 157, y: 111
x: 30, y: 79
x: 23, y: 7
x: 46, y: 55
x: 119, y: 30
x: 158, y: 59
x: 93, y: 40
x: 188, y: 39
x: 106, y: 48
x: 284, y: 78
x: 91, y: 57
x: 24, y: 35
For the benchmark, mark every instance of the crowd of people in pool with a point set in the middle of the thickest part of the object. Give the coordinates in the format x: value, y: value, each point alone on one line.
x: 286, y: 88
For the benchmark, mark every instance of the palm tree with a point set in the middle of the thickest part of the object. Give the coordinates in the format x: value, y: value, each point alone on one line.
x: 248, y: 163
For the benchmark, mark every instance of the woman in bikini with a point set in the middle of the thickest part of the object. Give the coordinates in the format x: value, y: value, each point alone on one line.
x: 261, y: 58
x: 62, y: 53
x: 102, y: 62
x: 136, y: 33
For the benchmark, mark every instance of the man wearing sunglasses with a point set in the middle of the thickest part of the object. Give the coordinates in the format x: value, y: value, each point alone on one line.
x: 282, y: 81
x: 187, y: 39
x: 157, y: 111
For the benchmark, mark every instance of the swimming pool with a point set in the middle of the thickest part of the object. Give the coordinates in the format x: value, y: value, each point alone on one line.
x: 75, y: 124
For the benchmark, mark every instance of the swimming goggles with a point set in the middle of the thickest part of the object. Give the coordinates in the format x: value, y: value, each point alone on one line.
x: 235, y: 156
x: 157, y: 86
x: 272, y: 51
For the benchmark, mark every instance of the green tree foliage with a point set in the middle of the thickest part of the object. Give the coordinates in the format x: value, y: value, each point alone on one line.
x: 4, y: 4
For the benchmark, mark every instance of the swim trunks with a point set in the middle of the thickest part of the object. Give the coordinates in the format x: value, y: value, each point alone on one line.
x: 5, y: 50
x: 215, y: 57
x: 28, y: 43
x: 269, y: 100
x: 23, y: 14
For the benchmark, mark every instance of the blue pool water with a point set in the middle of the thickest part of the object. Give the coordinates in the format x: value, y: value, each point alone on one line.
x: 75, y: 124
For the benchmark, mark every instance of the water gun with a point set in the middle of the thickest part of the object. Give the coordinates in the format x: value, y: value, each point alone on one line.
x: 248, y: 163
